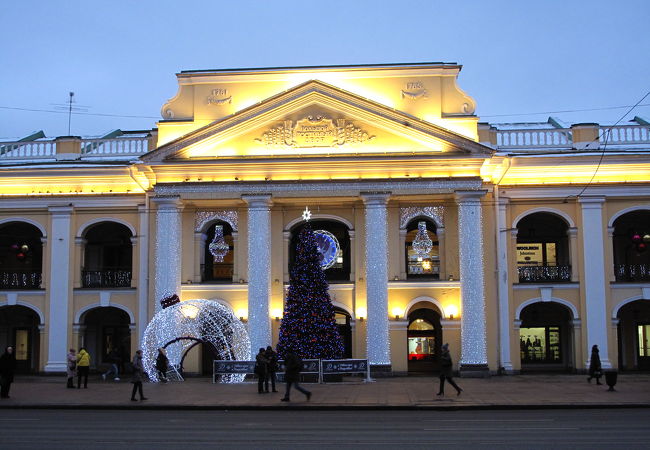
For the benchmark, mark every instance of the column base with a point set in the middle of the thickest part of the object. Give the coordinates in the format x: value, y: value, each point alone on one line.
x: 55, y: 367
x: 381, y: 370
x: 474, y: 371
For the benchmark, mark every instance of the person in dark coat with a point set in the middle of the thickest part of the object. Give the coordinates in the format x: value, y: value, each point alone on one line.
x: 271, y: 368
x: 595, y: 368
x: 293, y: 366
x: 162, y: 364
x: 446, y: 372
x: 7, y: 369
x: 261, y: 370
x: 138, y: 376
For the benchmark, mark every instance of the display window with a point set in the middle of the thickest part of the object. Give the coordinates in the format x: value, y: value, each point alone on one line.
x: 643, y: 332
x: 540, y: 345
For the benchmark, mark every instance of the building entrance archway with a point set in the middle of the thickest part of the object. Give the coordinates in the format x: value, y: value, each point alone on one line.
x: 19, y: 329
x: 107, y: 337
x: 424, y: 339
x: 634, y: 336
x: 545, y: 337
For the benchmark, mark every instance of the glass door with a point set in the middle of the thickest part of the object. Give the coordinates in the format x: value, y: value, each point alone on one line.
x: 643, y: 353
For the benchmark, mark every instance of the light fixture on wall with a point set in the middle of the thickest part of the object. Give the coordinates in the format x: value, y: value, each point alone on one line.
x: 452, y: 311
x: 362, y: 313
x: 396, y: 313
x: 277, y: 314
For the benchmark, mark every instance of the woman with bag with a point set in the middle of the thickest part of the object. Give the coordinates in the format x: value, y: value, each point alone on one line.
x: 595, y: 368
x: 71, y: 368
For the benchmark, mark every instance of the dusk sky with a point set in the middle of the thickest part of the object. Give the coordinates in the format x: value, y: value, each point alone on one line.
x: 120, y: 57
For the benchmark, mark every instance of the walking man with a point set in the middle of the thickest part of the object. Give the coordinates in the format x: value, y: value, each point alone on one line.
x: 293, y: 366
x: 271, y: 368
x: 138, y: 376
x: 7, y: 368
x: 446, y: 371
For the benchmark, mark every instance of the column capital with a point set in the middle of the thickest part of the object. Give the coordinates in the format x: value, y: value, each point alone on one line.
x: 503, y: 202
x: 469, y: 196
x: 168, y: 201
x: 61, y: 210
x: 351, y: 234
x: 610, y: 231
x: 258, y: 200
x: 592, y: 202
x: 79, y: 240
x: 572, y: 231
x: 375, y: 198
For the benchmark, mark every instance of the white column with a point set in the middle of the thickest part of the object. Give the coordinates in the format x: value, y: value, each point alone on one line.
x: 259, y: 270
x: 402, y: 254
x: 353, y: 256
x: 143, y: 270
x: 376, y: 255
x: 573, y: 252
x: 286, y: 238
x: 472, y: 287
x: 59, y: 291
x: 442, y: 249
x: 235, y: 257
x: 593, y: 241
x: 168, y: 248
x: 199, y: 255
x: 503, y: 285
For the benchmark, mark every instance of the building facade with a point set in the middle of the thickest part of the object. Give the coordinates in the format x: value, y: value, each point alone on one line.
x: 521, y: 245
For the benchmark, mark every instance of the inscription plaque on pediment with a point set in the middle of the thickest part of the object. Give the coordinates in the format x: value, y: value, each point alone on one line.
x: 314, y: 131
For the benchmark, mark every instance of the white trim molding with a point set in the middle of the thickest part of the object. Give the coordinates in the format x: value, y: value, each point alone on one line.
x: 543, y: 209
x: 574, y: 311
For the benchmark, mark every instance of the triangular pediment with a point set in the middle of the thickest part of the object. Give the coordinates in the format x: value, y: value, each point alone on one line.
x: 315, y: 119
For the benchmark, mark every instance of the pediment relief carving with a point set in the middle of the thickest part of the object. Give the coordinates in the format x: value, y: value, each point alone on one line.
x: 314, y: 131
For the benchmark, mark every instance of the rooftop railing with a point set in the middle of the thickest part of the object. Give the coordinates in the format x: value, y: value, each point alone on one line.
x: 89, y: 149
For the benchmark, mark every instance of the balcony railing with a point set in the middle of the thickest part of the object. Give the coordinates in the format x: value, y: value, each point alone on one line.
x: 106, y: 278
x: 89, y: 149
x: 20, y: 279
x: 217, y: 274
x: 632, y: 272
x: 544, y: 274
x: 534, y: 138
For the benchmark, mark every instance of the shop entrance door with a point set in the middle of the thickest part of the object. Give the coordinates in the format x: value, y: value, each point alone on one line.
x: 643, y: 352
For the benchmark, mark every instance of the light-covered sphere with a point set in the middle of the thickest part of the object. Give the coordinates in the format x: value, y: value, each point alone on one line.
x: 183, y: 325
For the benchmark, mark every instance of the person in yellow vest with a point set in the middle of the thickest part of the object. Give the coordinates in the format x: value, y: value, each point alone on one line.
x: 83, y: 366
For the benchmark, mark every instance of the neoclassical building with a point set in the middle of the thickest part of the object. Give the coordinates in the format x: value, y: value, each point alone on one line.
x: 521, y: 245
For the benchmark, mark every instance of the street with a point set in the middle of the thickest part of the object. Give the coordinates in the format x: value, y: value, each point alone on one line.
x: 169, y: 429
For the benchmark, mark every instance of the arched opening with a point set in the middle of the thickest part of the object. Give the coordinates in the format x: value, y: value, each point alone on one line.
x: 634, y: 335
x: 108, y: 256
x: 333, y: 241
x: 107, y: 336
x: 21, y: 256
x: 543, y: 249
x: 631, y: 240
x: 422, y: 250
x: 19, y: 329
x: 218, y: 254
x: 424, y: 339
x: 345, y: 330
x: 545, y: 337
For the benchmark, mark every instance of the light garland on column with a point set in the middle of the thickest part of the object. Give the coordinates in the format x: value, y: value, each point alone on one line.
x: 473, y: 335
x: 180, y: 325
x: 168, y: 250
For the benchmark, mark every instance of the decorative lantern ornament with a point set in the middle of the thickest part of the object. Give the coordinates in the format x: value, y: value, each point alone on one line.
x: 24, y: 248
x: 218, y: 247
x: 646, y: 238
x: 636, y: 237
x: 422, y: 244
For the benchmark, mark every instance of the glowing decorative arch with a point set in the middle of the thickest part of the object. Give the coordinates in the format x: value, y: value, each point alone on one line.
x: 203, y: 219
x: 41, y: 317
x: 569, y: 305
x: 180, y: 326
x: 427, y: 299
x: 567, y: 218
x: 622, y: 212
x: 433, y: 213
x: 314, y: 216
x: 618, y: 307
x: 40, y: 227
x: 85, y: 309
x: 84, y: 228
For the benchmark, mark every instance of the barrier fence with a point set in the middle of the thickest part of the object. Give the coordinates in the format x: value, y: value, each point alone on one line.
x: 309, y: 366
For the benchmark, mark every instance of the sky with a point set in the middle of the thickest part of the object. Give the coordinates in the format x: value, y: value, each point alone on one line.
x: 120, y: 57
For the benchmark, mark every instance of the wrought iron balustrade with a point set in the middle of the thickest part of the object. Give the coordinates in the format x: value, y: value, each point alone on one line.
x: 544, y: 274
x: 106, y: 278
x: 632, y: 272
x: 20, y: 279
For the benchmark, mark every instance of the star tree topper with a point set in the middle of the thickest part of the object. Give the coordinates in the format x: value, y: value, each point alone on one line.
x: 306, y: 214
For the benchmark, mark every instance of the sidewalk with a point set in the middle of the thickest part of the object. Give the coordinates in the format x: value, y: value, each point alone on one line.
x: 507, y: 392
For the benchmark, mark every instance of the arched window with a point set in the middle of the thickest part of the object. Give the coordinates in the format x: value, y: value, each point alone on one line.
x: 544, y: 336
x: 107, y: 336
x: 424, y: 337
x: 329, y: 235
x: 108, y: 256
x: 422, y: 250
x: 19, y: 329
x: 631, y: 242
x: 218, y: 253
x: 21, y: 256
x: 543, y: 249
x: 634, y: 335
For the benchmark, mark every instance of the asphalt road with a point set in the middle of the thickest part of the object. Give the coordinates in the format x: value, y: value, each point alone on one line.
x: 64, y: 429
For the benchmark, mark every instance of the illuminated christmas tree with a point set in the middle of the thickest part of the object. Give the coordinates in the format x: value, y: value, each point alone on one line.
x: 308, y: 325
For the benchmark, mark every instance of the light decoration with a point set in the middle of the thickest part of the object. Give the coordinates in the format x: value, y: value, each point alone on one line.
x: 426, y: 264
x: 180, y: 325
x: 203, y: 217
x: 218, y: 247
x: 422, y: 243
x: 376, y: 254
x: 452, y: 311
x: 168, y: 247
x: 470, y: 230
x: 328, y: 248
x: 435, y: 213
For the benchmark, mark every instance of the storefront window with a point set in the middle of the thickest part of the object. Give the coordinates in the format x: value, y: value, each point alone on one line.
x: 421, y: 348
x: 536, y: 254
x: 540, y: 345
x: 644, y: 340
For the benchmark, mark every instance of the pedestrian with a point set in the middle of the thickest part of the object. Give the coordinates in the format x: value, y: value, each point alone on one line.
x: 114, y: 360
x: 71, y: 367
x: 292, y: 368
x: 272, y: 368
x: 161, y: 365
x: 446, y: 372
x: 138, y: 376
x: 261, y: 370
x: 83, y: 367
x: 7, y: 369
x: 595, y: 368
